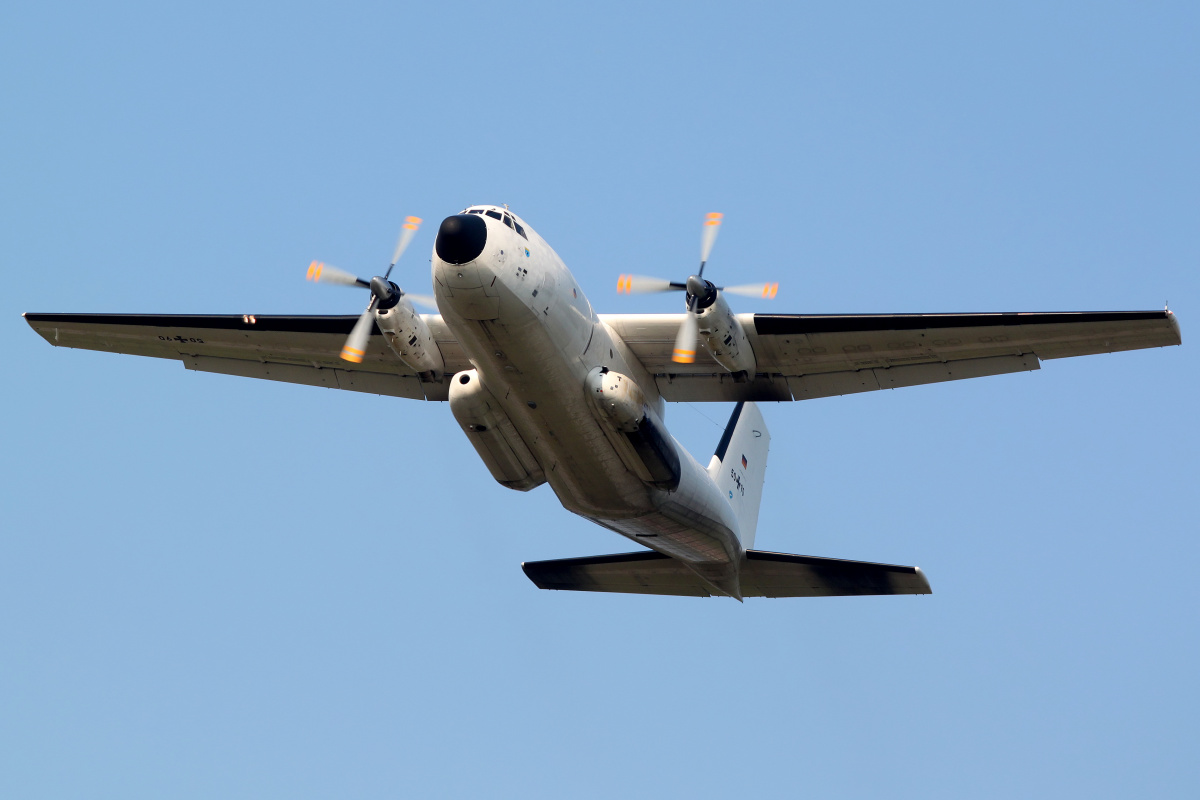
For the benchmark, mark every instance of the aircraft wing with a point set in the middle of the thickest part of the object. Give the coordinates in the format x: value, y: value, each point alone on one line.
x: 294, y: 349
x: 802, y: 356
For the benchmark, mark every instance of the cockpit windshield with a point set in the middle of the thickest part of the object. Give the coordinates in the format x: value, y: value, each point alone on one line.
x: 505, y: 217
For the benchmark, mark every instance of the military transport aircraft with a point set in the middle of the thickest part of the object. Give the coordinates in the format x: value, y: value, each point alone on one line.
x: 548, y: 391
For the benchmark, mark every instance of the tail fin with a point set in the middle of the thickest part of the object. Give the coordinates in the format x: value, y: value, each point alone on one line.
x: 740, y: 464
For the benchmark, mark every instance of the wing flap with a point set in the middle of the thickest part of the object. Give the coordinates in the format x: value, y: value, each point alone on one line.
x: 828, y: 384
x: 721, y: 386
x: 763, y: 574
x: 407, y: 386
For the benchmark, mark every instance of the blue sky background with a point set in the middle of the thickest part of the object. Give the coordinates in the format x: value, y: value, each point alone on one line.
x: 218, y: 587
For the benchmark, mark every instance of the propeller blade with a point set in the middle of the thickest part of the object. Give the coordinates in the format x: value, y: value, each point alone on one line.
x: 356, y: 343
x: 712, y: 224
x: 766, y: 291
x: 323, y: 273
x: 685, y: 340
x: 429, y: 301
x: 639, y: 284
x: 407, y: 232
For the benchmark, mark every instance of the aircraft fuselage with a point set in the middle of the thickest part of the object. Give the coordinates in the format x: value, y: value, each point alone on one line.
x: 534, y: 339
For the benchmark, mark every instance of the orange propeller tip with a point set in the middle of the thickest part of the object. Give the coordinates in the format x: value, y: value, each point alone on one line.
x: 684, y: 356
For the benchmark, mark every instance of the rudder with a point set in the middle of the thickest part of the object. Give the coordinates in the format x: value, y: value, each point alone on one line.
x: 740, y: 464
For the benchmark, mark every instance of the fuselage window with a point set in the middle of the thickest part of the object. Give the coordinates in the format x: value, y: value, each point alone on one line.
x: 520, y: 230
x: 493, y: 214
x: 474, y: 210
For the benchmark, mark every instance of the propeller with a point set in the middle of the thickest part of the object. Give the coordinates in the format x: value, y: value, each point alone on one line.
x: 700, y: 292
x: 384, y: 293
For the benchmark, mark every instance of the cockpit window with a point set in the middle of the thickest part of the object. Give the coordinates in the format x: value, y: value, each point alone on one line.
x: 504, y: 217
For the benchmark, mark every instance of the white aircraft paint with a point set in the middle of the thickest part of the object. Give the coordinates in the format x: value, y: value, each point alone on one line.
x: 533, y: 338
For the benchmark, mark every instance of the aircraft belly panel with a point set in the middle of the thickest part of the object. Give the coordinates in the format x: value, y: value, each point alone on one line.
x: 693, y: 524
x: 521, y: 361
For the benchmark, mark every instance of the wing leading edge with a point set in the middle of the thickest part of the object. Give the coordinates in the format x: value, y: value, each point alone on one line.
x: 803, y: 356
x: 293, y: 349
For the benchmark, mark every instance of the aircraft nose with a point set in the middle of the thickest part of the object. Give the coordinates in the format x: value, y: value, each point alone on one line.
x: 461, y: 238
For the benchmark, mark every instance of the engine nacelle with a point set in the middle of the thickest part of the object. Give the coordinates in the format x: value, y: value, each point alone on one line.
x: 492, y: 433
x: 635, y: 431
x: 725, y: 339
x: 409, y: 337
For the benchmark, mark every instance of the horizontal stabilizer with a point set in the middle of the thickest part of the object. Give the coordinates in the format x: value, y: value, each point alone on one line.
x: 763, y: 574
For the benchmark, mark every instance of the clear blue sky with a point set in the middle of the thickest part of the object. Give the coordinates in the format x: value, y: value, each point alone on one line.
x: 217, y: 587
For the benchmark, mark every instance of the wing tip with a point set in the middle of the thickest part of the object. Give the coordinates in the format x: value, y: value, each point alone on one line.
x: 924, y: 579
x: 1174, y: 321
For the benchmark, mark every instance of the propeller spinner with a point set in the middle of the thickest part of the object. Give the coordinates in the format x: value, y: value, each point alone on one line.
x: 384, y: 293
x: 701, y: 293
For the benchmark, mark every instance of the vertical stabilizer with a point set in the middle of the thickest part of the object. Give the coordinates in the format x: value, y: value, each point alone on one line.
x: 740, y: 464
